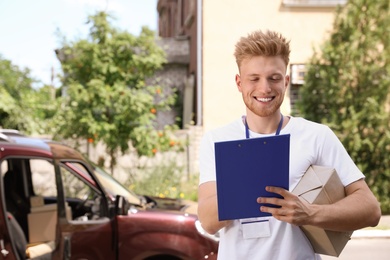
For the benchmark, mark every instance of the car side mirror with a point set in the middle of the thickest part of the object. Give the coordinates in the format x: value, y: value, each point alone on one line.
x: 121, y: 205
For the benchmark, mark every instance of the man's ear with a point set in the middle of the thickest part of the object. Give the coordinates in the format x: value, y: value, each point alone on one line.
x: 238, y: 82
x: 287, y: 81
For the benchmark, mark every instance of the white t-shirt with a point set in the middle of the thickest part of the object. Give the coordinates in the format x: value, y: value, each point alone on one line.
x: 267, y: 238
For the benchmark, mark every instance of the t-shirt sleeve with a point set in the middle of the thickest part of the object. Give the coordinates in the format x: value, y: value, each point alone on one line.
x: 334, y: 154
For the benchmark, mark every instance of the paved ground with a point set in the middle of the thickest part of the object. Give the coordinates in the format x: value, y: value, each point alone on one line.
x: 380, y: 231
x: 363, y: 249
x: 367, y: 243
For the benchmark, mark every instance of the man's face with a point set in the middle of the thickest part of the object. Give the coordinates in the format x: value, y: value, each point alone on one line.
x: 263, y: 83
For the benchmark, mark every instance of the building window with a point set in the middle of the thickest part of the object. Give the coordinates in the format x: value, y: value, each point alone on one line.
x: 297, y: 76
x: 314, y: 3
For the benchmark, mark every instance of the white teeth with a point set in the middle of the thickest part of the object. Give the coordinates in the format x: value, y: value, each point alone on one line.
x: 264, y: 99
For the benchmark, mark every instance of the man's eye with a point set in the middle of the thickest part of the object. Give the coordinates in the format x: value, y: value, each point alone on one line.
x: 254, y: 79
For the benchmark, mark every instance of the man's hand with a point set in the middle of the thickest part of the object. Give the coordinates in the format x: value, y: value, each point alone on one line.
x: 291, y: 208
x: 208, y: 208
x: 359, y: 209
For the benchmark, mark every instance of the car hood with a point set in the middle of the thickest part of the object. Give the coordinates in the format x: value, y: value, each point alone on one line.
x: 170, y: 204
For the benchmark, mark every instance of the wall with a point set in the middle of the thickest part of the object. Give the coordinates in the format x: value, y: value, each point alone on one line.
x: 225, y: 21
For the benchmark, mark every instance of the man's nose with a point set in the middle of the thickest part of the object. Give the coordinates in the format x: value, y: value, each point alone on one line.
x: 264, y: 86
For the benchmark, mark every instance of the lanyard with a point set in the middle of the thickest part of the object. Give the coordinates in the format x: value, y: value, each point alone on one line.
x: 277, y: 131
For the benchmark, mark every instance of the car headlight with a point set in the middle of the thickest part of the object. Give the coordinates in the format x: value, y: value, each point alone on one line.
x: 204, y: 233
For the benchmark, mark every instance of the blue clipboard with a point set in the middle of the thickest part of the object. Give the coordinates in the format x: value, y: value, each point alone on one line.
x: 244, y: 168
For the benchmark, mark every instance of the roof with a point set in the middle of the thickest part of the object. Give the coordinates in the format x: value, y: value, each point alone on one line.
x: 30, y: 146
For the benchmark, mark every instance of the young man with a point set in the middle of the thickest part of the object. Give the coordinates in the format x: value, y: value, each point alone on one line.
x: 262, y: 59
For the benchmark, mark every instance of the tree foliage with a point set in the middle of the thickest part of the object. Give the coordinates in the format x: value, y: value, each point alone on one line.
x: 23, y: 107
x: 347, y: 86
x: 18, y: 98
x: 105, y: 95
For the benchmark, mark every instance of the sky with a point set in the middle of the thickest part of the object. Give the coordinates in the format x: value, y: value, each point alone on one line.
x: 29, y: 28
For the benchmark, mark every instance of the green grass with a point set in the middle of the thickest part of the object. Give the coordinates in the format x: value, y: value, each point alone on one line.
x: 165, y: 180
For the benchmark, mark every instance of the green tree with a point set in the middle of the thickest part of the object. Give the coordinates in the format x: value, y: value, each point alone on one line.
x: 44, y: 106
x: 106, y: 97
x: 17, y: 98
x: 347, y: 86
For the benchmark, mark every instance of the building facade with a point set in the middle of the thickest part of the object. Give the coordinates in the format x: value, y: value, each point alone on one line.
x: 212, y: 28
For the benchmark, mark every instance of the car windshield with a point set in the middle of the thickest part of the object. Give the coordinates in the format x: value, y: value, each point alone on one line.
x: 113, y: 187
x: 109, y: 183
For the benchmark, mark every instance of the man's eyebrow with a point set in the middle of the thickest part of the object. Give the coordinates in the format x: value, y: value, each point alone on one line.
x: 272, y: 74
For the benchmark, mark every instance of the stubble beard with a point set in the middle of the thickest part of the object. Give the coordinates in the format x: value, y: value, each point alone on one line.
x: 264, y: 112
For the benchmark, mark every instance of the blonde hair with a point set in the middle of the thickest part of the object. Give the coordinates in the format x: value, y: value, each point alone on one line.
x: 259, y: 43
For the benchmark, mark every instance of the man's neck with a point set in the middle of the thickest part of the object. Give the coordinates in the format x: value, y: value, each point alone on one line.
x: 264, y: 125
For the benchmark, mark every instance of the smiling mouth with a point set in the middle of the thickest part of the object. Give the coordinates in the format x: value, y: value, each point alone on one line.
x: 264, y: 100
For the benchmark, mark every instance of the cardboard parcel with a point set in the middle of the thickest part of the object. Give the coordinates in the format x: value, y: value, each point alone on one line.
x: 322, y: 185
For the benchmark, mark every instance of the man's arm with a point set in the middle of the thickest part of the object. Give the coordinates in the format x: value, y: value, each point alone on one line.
x: 357, y: 210
x: 208, y: 208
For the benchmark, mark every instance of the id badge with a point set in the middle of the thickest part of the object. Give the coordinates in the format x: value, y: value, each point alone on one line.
x: 255, y: 227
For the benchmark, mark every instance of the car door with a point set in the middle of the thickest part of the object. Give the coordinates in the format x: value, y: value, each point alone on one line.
x: 84, y: 229
x: 8, y: 249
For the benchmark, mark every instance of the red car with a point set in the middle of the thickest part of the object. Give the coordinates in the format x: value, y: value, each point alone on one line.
x: 55, y: 204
